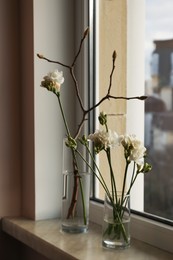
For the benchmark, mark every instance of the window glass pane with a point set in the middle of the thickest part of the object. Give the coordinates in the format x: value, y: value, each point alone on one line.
x: 154, y: 191
x: 158, y: 188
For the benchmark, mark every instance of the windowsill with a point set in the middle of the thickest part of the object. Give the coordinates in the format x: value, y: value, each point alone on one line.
x: 45, y: 237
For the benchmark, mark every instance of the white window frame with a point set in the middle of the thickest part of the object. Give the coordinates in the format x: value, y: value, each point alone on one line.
x: 142, y: 228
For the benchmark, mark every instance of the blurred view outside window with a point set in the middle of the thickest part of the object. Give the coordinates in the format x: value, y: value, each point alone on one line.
x: 111, y: 25
x: 158, y: 185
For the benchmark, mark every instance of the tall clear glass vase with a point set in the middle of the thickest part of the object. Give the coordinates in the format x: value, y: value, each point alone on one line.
x: 116, y: 223
x: 76, y: 190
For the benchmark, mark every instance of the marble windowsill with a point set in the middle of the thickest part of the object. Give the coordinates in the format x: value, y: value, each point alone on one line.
x: 46, y: 238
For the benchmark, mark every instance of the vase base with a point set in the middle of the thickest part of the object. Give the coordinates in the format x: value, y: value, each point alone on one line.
x: 74, y: 229
x: 115, y: 245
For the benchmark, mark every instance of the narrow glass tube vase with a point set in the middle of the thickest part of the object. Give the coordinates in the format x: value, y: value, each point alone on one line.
x: 76, y: 190
x: 116, y: 222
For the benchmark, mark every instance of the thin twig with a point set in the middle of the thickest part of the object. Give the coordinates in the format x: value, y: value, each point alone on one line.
x: 80, y: 126
x: 113, y: 68
x: 40, y: 56
x: 113, y: 97
x: 80, y: 47
x: 76, y: 88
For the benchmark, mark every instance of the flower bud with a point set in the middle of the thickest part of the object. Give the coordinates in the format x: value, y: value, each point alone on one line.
x: 86, y: 32
x: 41, y: 56
x: 83, y: 140
x: 103, y: 118
x: 114, y: 55
x: 71, y: 143
x: 146, y: 168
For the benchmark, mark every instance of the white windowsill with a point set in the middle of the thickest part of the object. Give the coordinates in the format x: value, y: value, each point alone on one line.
x: 45, y: 237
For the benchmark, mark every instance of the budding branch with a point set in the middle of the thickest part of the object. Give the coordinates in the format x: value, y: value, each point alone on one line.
x: 108, y: 96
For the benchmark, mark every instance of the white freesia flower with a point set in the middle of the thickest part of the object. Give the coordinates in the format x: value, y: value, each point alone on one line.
x: 113, y: 139
x: 56, y: 76
x: 53, y: 80
x: 134, y: 147
x: 104, y: 139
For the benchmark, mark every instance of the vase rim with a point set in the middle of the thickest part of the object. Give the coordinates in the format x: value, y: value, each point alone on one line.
x: 81, y: 173
x: 119, y: 193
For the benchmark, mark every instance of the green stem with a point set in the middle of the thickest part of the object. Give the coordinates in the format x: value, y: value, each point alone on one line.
x: 83, y: 201
x: 63, y: 115
x: 117, y: 228
x: 113, y: 183
x: 72, y: 206
x: 133, y: 178
x: 101, y: 180
x: 117, y: 215
x: 124, y: 181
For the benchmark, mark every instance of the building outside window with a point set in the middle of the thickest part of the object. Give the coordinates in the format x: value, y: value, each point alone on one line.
x: 158, y: 189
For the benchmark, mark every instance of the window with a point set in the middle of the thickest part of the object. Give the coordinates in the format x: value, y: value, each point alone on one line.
x: 158, y: 189
x: 132, y: 14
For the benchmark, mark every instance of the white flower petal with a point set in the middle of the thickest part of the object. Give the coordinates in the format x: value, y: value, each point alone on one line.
x: 107, y: 139
x: 56, y: 77
x: 136, y: 147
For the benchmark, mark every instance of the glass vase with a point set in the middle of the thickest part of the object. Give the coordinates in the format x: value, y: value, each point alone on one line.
x: 76, y: 190
x: 116, y: 222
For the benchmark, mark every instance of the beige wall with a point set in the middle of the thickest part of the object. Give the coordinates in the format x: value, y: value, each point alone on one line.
x: 113, y: 36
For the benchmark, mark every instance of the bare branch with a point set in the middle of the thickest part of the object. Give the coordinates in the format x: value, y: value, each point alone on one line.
x: 129, y: 98
x: 80, y: 47
x: 86, y: 112
x: 76, y: 88
x: 113, y: 97
x: 80, y: 126
x: 40, y: 56
x: 71, y: 68
x: 108, y: 96
x: 113, y: 68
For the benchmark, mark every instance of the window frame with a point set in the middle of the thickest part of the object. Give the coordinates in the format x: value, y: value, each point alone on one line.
x: 145, y: 227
